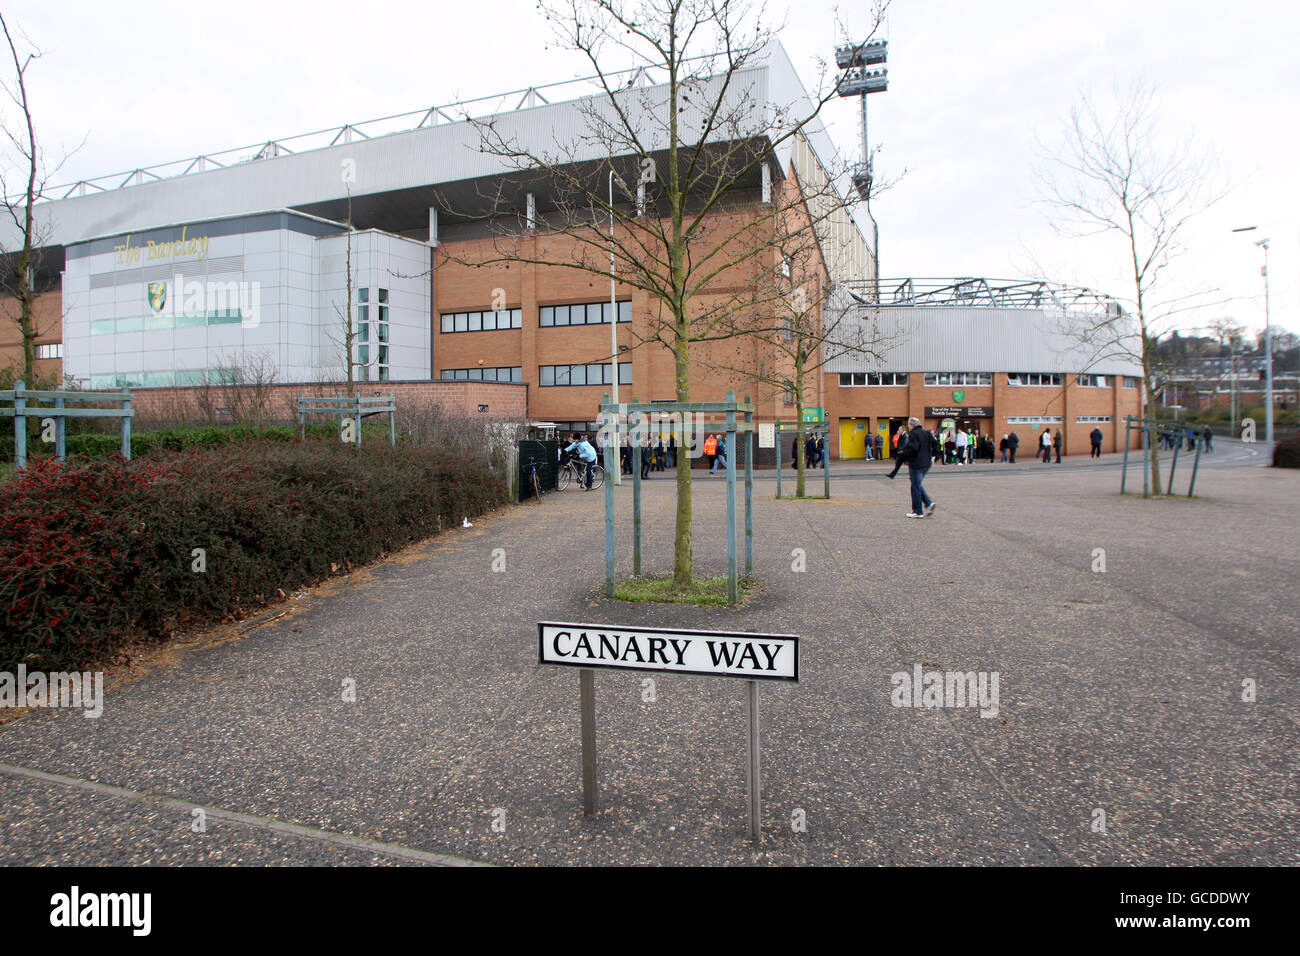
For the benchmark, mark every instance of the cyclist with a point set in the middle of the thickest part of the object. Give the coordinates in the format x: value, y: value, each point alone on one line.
x: 585, y: 452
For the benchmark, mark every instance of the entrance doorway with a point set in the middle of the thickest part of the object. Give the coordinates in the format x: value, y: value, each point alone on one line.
x: 887, y: 428
x: 853, y: 437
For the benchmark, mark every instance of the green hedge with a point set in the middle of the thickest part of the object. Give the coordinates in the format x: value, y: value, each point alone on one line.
x: 95, y: 554
x: 100, y: 446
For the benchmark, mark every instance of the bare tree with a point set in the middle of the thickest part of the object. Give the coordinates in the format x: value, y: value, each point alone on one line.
x: 22, y: 264
x: 803, y: 323
x: 1111, y: 176
x: 694, y: 149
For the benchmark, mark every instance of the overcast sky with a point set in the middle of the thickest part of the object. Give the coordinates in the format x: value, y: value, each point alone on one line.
x: 970, y: 86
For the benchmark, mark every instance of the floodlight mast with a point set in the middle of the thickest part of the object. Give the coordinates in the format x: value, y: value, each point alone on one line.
x: 857, y: 79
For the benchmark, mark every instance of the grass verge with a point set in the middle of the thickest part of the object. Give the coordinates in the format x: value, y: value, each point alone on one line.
x: 708, y: 592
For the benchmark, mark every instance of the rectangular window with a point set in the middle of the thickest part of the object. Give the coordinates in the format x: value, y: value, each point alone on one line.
x: 596, y: 374
x: 462, y: 321
x: 383, y: 295
x: 52, y: 351
x: 577, y: 375
x: 448, y: 374
x: 448, y: 322
x: 490, y: 321
x: 593, y: 313
x: 517, y: 374
x: 516, y: 318
x: 1132, y: 381
x: 625, y: 373
x: 476, y: 321
x: 363, y: 332
x: 1094, y: 381
x: 1093, y: 419
x: 363, y: 313
x: 476, y: 375
x: 561, y: 315
x: 846, y: 379
x: 363, y: 354
x: 625, y: 311
x: 561, y: 375
x: 944, y: 378
x: 363, y: 294
x: 546, y: 316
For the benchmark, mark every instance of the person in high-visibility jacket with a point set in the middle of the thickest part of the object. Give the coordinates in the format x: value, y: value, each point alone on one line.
x: 710, y: 450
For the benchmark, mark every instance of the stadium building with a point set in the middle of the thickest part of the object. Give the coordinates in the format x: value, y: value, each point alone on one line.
x: 170, y: 277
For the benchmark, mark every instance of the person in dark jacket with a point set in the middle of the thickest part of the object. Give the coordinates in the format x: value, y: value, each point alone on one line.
x: 1208, y: 437
x: 919, y: 456
x: 1096, y: 437
x: 1013, y: 442
x: 1057, y: 443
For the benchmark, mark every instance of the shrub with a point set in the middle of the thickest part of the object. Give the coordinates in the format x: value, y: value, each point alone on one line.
x: 94, y: 554
x: 1286, y: 453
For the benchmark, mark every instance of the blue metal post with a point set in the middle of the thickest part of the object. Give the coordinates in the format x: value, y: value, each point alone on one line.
x: 126, y: 425
x: 733, y: 588
x: 20, y: 426
x: 749, y: 490
x: 59, y: 430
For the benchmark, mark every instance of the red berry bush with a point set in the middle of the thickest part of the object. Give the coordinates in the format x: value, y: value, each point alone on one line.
x: 98, y: 553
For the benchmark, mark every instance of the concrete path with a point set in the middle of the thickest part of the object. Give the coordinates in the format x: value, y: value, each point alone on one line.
x: 1119, y: 691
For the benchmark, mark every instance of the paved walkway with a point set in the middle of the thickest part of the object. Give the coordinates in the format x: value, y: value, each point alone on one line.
x: 1118, y: 690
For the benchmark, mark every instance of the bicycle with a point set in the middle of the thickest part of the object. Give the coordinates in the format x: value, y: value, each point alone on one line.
x: 535, y: 479
x: 576, y: 470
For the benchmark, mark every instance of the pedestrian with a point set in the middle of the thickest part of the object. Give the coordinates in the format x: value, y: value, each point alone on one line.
x: 1096, y: 438
x: 821, y: 451
x: 880, y: 446
x: 919, y: 455
x: 586, y: 453
x: 1013, y: 442
x: 710, y: 450
x: 794, y: 451
x: 868, y: 447
x: 672, y: 449
x: 1208, y: 437
x: 1004, y: 446
x: 646, y: 459
x: 963, y: 441
x: 810, y: 451
x: 1045, y: 444
x: 720, y: 455
x: 1057, y: 444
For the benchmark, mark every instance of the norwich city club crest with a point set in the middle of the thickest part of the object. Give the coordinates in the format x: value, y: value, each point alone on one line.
x: 157, y: 295
x: 956, y: 396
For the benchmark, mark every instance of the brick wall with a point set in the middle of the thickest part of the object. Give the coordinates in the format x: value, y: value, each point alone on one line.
x: 454, y: 399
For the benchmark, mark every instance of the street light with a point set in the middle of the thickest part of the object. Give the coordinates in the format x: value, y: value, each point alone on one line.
x: 1268, y: 345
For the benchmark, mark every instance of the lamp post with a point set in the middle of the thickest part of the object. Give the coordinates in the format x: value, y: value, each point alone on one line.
x: 1268, y: 345
x: 613, y: 310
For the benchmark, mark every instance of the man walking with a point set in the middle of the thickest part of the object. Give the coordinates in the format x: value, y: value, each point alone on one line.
x: 1013, y: 442
x: 1058, y: 444
x: 1045, y: 445
x: 710, y: 450
x: 1208, y: 437
x: 962, y: 443
x: 919, y: 455
x: 720, y: 455
x: 1096, y: 437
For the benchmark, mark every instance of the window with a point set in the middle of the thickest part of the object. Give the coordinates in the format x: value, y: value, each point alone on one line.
x: 1093, y: 419
x: 497, y: 374
x: 52, y: 351
x: 789, y: 393
x: 1129, y: 381
x: 596, y: 373
x: 856, y: 379
x: 958, y: 378
x: 586, y: 313
x: 1034, y: 378
x: 1094, y: 381
x: 1035, y: 420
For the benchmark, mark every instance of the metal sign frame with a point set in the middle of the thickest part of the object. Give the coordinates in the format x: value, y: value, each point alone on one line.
x: 587, y: 707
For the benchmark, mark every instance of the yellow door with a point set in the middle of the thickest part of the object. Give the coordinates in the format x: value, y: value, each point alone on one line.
x: 886, y: 446
x: 853, y: 438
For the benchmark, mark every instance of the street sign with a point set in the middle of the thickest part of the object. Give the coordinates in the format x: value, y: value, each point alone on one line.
x: 766, y: 434
x: 592, y: 647
x: 703, y: 653
x: 815, y: 415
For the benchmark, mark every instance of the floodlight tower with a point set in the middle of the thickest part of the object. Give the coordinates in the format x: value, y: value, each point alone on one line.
x: 858, y: 79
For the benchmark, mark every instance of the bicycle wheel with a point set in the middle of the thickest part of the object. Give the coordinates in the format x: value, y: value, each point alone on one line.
x: 597, y: 476
x: 562, y: 478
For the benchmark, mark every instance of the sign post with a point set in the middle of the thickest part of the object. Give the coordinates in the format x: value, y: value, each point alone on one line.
x: 751, y: 657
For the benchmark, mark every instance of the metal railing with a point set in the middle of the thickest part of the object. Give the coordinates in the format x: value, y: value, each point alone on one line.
x: 455, y: 112
x: 980, y: 291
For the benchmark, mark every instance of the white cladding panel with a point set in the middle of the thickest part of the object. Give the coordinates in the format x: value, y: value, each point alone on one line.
x: 967, y: 339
